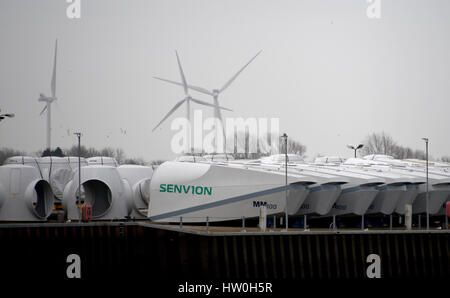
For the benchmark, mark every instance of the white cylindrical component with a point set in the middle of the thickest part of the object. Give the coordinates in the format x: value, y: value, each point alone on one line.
x: 263, y: 218
x: 103, y: 189
x: 139, y: 178
x: 102, y: 161
x: 40, y: 198
x: 408, y: 216
x: 73, y: 162
x: 24, y: 195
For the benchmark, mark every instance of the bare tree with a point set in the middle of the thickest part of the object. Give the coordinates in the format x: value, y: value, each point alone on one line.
x: 445, y: 158
x: 263, y: 146
x: 379, y: 143
x: 293, y: 147
x: 382, y: 143
x: 134, y: 161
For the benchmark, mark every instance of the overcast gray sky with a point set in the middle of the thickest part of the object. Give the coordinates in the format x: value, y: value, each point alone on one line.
x: 331, y: 74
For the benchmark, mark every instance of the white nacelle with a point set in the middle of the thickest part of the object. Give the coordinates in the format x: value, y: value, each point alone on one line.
x: 138, y: 178
x: 190, y: 158
x: 73, y: 162
x: 104, y: 189
x: 194, y: 191
x: 24, y: 195
x: 102, y: 160
x: 21, y: 160
x: 57, y: 171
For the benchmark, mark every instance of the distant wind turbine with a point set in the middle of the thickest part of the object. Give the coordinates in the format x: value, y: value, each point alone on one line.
x: 48, y: 100
x: 214, y: 92
x: 186, y: 99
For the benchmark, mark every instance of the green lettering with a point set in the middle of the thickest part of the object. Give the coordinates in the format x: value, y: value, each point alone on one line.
x: 197, y: 190
x: 208, y: 190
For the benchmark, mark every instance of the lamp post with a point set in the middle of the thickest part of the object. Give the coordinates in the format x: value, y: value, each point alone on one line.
x: 427, y: 195
x: 78, y: 134
x: 285, y: 139
x: 3, y: 116
x: 9, y: 115
x: 355, y: 148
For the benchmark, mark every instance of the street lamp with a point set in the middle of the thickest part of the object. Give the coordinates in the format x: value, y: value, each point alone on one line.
x: 78, y: 134
x: 427, y: 196
x: 285, y: 139
x: 9, y: 115
x: 3, y: 116
x: 355, y: 148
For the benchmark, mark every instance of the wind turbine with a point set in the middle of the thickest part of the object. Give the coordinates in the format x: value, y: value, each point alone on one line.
x: 48, y: 100
x: 214, y: 92
x: 186, y: 99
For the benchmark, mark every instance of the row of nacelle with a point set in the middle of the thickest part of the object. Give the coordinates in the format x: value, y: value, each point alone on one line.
x: 114, y: 192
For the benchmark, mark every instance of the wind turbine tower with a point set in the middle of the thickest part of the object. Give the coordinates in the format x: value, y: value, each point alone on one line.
x: 49, y: 99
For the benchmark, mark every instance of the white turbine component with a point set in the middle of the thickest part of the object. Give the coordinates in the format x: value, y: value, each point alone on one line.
x: 439, y: 188
x: 439, y: 183
x: 190, y: 158
x: 57, y: 171
x: 322, y: 195
x: 397, y: 190
x: 22, y: 160
x: 215, y: 92
x: 356, y: 195
x: 186, y: 99
x: 24, y: 195
x: 103, y: 188
x: 102, y: 160
x: 48, y: 100
x: 73, y: 162
x: 138, y: 178
x: 195, y: 191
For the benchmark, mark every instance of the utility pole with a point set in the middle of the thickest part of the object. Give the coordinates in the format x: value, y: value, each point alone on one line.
x: 285, y: 138
x: 427, y: 196
x: 78, y: 134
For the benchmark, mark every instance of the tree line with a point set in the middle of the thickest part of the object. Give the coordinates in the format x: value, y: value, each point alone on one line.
x: 374, y: 143
x: 86, y: 152
x: 383, y: 143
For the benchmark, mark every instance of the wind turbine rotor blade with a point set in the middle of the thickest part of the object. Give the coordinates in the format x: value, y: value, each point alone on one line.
x: 53, y: 84
x: 43, y: 110
x: 192, y: 87
x: 208, y: 104
x: 168, y: 81
x: 170, y: 113
x: 183, y: 79
x: 227, y: 84
x: 200, y: 89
